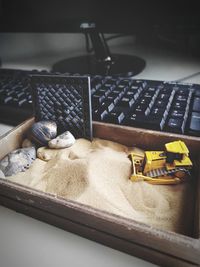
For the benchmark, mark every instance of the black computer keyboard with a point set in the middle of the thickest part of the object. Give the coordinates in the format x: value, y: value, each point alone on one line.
x: 157, y: 105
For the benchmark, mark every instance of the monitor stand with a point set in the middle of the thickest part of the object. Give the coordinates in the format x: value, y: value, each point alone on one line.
x: 102, y: 62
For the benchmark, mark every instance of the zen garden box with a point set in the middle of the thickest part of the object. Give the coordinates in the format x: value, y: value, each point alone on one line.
x: 160, y: 246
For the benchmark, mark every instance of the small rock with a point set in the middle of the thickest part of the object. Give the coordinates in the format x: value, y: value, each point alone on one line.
x: 27, y: 143
x: 46, y: 153
x: 62, y: 141
x: 18, y: 160
x: 43, y: 131
x: 2, y: 174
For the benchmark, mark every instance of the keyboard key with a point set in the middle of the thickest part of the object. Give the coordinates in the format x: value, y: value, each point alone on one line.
x: 164, y: 97
x: 7, y: 100
x: 151, y: 90
x: 21, y: 95
x: 118, y: 92
x: 121, y: 88
x: 154, y: 122
x: 167, y: 90
x: 177, y: 114
x: 139, y: 83
x: 113, y: 98
x: 110, y: 82
x: 115, y: 94
x: 196, y: 104
x: 99, y: 115
x: 115, y: 116
x: 174, y: 125
x: 103, y: 92
x: 181, y: 98
x: 197, y: 93
x: 124, y: 82
x: 179, y: 105
x: 157, y: 112
x: 21, y: 102
x: 97, y: 99
x: 107, y: 105
x: 135, y: 120
x: 126, y: 102
x: 195, y: 123
x: 130, y: 94
x: 144, y: 101
x: 183, y: 91
x: 140, y: 109
x: 161, y: 103
x: 148, y: 94
x: 135, y: 88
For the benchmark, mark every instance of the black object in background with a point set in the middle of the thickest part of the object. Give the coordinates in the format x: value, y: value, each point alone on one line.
x: 156, y: 105
x: 137, y: 17
x: 102, y: 62
x: 65, y: 100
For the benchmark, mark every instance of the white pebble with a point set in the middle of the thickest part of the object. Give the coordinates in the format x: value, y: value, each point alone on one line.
x: 62, y: 141
x: 2, y: 174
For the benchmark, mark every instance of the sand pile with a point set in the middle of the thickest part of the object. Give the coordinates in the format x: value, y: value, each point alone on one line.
x: 97, y: 173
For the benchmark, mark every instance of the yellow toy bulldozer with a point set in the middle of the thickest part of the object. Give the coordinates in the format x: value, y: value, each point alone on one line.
x: 162, y: 167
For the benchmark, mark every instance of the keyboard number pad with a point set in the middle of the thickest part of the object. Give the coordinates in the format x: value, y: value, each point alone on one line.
x: 179, y: 111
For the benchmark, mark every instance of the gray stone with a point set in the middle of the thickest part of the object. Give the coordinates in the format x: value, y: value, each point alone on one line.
x: 43, y: 131
x: 18, y: 160
x: 2, y: 174
x: 62, y: 141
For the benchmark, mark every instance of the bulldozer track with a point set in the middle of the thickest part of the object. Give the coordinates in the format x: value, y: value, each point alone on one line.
x: 164, y: 172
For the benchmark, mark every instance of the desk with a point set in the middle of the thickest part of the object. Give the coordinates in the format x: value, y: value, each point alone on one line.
x: 27, y: 242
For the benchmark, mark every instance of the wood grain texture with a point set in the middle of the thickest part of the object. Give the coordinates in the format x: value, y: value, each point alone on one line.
x: 13, y: 139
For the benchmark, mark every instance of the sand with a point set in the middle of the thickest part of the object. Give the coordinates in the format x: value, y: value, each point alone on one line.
x: 97, y: 174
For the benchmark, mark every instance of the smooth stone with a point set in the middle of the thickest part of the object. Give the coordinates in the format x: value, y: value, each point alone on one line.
x: 43, y: 131
x: 18, y: 160
x: 46, y: 153
x: 2, y: 174
x: 64, y: 140
x: 27, y: 143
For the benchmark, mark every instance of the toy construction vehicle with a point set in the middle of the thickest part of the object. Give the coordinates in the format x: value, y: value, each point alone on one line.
x: 162, y: 167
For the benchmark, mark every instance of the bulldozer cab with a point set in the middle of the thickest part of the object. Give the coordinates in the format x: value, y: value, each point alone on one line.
x: 176, y: 151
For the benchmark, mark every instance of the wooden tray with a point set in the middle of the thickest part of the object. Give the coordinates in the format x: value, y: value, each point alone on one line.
x: 158, y: 246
